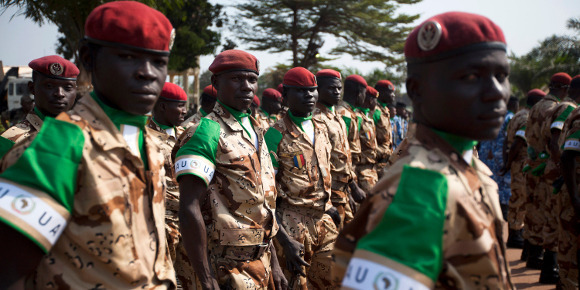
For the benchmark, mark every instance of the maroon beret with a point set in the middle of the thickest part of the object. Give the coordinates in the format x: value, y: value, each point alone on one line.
x: 272, y: 94
x: 450, y: 34
x: 210, y: 90
x: 328, y: 73
x: 130, y: 24
x: 561, y: 78
x: 173, y: 92
x: 256, y: 100
x: 357, y: 79
x: 385, y: 84
x: 299, y: 77
x: 536, y: 92
x: 234, y: 60
x: 372, y: 92
x: 280, y: 88
x: 56, y: 67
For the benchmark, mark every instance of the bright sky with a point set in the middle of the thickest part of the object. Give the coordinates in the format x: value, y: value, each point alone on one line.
x: 525, y: 24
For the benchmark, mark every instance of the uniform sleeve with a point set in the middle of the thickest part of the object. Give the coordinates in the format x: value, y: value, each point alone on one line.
x: 572, y: 142
x: 5, y: 145
x: 416, y: 217
x: 273, y: 138
x: 559, y: 122
x: 521, y: 132
x: 197, y: 156
x: 37, y: 191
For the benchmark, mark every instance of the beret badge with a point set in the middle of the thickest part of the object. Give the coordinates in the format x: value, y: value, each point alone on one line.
x: 172, y: 38
x: 56, y: 69
x: 429, y: 35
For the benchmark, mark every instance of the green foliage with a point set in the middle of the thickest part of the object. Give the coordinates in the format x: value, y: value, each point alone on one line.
x: 369, y: 30
x: 552, y: 55
x: 191, y: 19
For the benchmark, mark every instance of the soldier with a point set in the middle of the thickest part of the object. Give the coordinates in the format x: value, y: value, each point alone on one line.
x: 207, y: 101
x: 271, y: 106
x: 54, y: 88
x: 366, y: 166
x: 569, y: 211
x: 97, y: 200
x: 434, y: 219
x: 300, y: 151
x: 341, y: 169
x: 226, y: 185
x: 516, y: 157
x: 540, y: 134
x: 168, y: 113
x: 13, y: 117
x: 381, y: 117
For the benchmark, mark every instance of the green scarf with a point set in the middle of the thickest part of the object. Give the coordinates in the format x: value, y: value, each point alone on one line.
x: 298, y: 120
x: 460, y: 144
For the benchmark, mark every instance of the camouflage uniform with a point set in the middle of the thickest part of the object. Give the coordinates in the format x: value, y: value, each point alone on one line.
x: 365, y: 168
x: 166, y: 139
x: 568, y: 225
x: 265, y: 119
x: 304, y: 185
x: 341, y: 168
x: 446, y: 218
x: 517, y: 210
x: 551, y: 207
x: 193, y: 120
x: 346, y: 111
x: 115, y: 237
x: 238, y: 206
x: 538, y: 136
x: 384, y: 129
x: 24, y: 129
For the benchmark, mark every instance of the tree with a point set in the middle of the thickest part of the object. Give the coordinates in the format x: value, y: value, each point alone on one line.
x: 552, y: 55
x: 190, y: 18
x: 368, y: 30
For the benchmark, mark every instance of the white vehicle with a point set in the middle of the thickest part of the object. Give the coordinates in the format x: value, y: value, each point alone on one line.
x: 17, y: 87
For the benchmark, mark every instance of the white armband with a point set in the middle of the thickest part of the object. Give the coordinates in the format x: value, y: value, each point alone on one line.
x: 196, y: 165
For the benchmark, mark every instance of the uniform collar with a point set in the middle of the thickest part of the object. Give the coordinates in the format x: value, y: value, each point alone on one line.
x: 38, y: 113
x: 298, y: 120
x: 460, y: 144
x: 119, y: 117
x: 163, y: 127
x: 237, y: 114
x: 203, y: 113
x: 382, y: 104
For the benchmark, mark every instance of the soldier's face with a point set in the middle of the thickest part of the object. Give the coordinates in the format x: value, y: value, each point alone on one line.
x: 175, y: 112
x: 236, y: 89
x: 129, y: 80
x: 271, y: 106
x: 370, y: 102
x: 301, y: 101
x: 464, y: 95
x: 329, y: 90
x: 53, y: 96
x: 360, y: 98
x: 386, y: 95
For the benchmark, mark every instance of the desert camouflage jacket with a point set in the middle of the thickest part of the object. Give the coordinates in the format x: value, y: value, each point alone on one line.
x: 347, y: 113
x: 384, y: 130
x: 368, y: 138
x: 24, y: 129
x: 434, y: 221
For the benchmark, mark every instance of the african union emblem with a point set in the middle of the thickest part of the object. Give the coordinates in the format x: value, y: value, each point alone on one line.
x: 385, y: 281
x: 23, y: 204
x: 194, y: 164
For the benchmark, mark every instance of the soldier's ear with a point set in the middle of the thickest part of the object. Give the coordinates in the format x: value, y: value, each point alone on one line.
x: 414, y: 89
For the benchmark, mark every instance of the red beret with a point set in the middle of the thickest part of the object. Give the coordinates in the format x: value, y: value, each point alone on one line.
x: 357, y: 79
x: 328, y: 73
x: 372, y: 92
x: 210, y: 90
x: 256, y: 100
x: 272, y: 94
x: 385, y: 84
x: 173, y: 92
x: 56, y: 67
x: 234, y: 60
x: 561, y: 78
x: 536, y: 92
x: 280, y: 88
x: 130, y: 24
x: 299, y: 77
x: 450, y: 34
